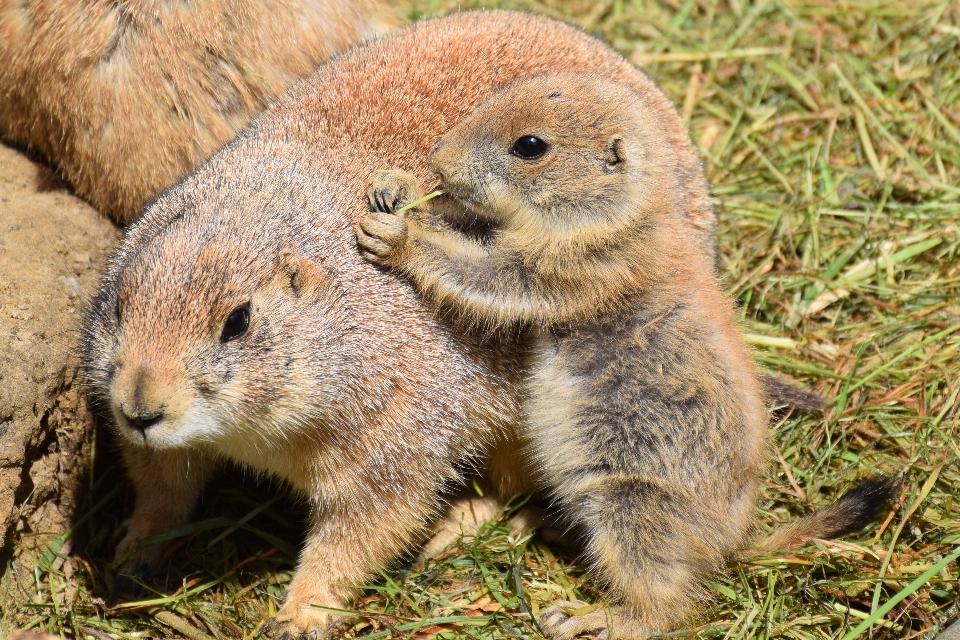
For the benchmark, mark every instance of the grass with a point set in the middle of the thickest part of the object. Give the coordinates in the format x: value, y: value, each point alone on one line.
x: 830, y: 131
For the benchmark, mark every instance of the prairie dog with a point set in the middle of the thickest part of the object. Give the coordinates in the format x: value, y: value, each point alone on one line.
x: 571, y: 193
x: 564, y: 214
x: 126, y: 98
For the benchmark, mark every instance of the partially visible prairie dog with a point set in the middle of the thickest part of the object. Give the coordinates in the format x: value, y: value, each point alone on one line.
x: 127, y: 97
x: 563, y: 214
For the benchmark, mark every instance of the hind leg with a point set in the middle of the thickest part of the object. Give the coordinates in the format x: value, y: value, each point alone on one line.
x: 651, y: 545
x: 506, y: 475
x: 465, y: 517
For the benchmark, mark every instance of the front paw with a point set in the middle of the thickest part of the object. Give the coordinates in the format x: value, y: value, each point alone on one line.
x: 127, y: 581
x: 393, y: 189
x: 300, y: 622
x: 567, y: 620
x: 381, y: 237
x: 134, y: 565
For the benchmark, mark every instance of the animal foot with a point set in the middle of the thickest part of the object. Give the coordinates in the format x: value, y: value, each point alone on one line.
x: 566, y: 620
x: 300, y: 622
x: 392, y: 189
x: 132, y: 566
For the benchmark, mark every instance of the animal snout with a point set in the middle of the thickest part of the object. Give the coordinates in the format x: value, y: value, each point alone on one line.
x: 450, y: 165
x: 141, y: 399
x: 439, y: 161
x: 141, y: 421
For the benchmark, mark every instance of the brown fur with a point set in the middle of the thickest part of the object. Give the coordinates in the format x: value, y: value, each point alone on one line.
x: 47, y: 179
x: 645, y: 416
x: 787, y: 395
x: 125, y: 98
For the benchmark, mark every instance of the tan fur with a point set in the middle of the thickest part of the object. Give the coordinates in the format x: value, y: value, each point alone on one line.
x: 645, y: 416
x: 126, y: 98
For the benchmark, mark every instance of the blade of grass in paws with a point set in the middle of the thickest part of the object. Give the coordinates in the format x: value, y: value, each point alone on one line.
x: 420, y: 201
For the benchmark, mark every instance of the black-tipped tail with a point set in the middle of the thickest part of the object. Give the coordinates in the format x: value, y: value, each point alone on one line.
x: 852, y: 512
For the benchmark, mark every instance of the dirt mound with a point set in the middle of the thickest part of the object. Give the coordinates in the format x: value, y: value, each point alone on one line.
x: 52, y: 246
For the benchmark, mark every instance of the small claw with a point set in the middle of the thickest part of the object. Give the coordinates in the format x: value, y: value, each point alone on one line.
x: 385, y: 200
x: 286, y: 628
x: 372, y: 198
x: 122, y: 586
x: 374, y: 258
x: 374, y: 245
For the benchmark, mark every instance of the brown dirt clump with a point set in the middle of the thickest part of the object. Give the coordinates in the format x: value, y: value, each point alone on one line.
x: 51, y: 247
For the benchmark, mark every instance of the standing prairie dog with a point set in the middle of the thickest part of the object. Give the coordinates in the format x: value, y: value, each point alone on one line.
x: 125, y: 98
x: 565, y: 213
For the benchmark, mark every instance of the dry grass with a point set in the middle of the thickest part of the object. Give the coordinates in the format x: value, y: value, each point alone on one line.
x: 831, y: 134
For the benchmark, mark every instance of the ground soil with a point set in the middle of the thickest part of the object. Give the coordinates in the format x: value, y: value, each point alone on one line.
x: 52, y: 248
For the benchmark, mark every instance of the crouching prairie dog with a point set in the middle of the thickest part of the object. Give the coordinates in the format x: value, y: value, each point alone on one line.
x: 565, y: 213
x: 237, y: 319
x: 126, y: 98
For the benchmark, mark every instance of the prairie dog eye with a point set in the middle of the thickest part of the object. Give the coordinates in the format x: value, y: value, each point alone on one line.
x: 529, y: 147
x: 236, y: 324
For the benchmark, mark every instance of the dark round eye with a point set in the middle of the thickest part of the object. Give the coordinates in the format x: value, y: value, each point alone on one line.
x: 236, y: 324
x: 529, y: 147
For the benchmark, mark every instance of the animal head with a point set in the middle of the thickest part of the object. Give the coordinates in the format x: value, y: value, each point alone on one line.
x: 559, y: 150
x: 210, y: 331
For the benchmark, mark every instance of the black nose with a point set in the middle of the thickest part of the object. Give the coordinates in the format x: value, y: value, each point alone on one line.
x: 143, y: 421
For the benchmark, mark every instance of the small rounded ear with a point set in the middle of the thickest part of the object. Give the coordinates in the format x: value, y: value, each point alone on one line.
x: 298, y: 273
x: 290, y: 270
x: 615, y: 155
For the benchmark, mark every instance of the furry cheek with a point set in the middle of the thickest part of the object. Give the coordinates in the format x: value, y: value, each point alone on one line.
x: 197, y: 425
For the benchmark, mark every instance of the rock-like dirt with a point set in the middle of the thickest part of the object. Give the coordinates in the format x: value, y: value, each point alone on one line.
x: 52, y: 247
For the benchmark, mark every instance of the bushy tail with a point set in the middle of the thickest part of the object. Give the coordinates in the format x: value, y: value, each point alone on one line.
x: 783, y: 394
x: 853, y: 511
